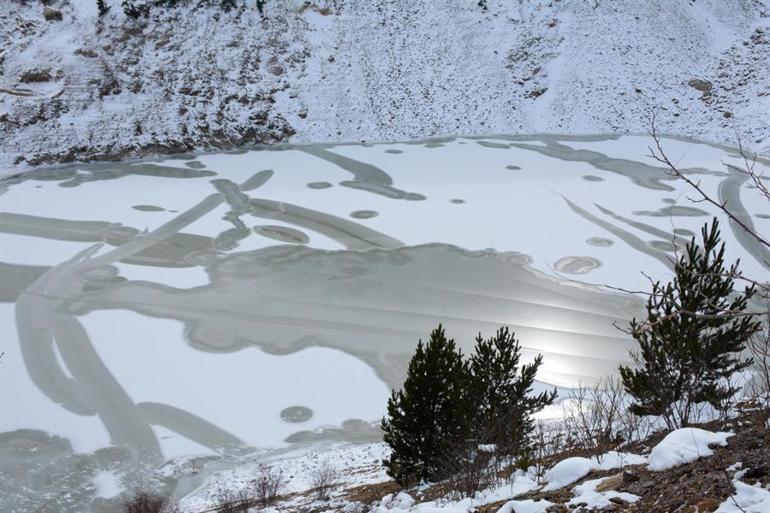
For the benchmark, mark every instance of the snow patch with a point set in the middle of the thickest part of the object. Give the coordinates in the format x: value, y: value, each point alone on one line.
x: 586, y: 493
x: 107, y: 484
x: 525, y: 506
x: 683, y: 446
x: 747, y: 499
x: 570, y: 470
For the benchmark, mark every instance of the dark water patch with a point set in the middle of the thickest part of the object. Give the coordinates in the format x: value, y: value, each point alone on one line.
x: 730, y: 194
x: 194, y: 164
x: 383, y: 190
x: 684, y: 232
x: 763, y: 216
x: 652, y: 230
x: 662, y: 245
x: 643, y: 175
x: 296, y: 414
x: 576, y: 264
x: 349, y: 234
x: 592, y: 178
x: 327, y: 298
x: 234, y: 197
x: 627, y: 237
x: 513, y: 168
x: 669, y: 201
x: 257, y: 180
x: 16, y: 278
x: 189, y: 425
x: 114, y: 172
x: 394, y: 152
x: 353, y: 430
x: 496, y: 145
x: 318, y: 185
x: 364, y: 214
x: 282, y: 233
x: 600, y: 242
x: 148, y: 208
x: 673, y: 211
x: 457, y: 201
x: 56, y: 229
x: 367, y: 176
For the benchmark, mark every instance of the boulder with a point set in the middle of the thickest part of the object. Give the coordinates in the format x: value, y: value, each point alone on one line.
x: 51, y: 14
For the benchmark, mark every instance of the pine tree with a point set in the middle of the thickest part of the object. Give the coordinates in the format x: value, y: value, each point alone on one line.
x: 102, y: 7
x: 261, y: 6
x: 690, y: 342
x: 501, y: 391
x: 132, y: 10
x: 430, y: 415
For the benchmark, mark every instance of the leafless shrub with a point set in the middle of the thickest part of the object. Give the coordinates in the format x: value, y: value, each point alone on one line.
x: 268, y: 485
x: 546, y: 441
x: 472, y: 468
x: 324, y: 478
x: 594, y: 415
x: 759, y: 347
x: 147, y: 502
x: 230, y: 500
x: 634, y: 428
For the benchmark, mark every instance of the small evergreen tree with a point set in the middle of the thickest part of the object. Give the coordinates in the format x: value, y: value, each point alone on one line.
x: 102, y: 7
x: 429, y: 416
x: 261, y: 6
x: 501, y: 392
x: 132, y: 10
x: 690, y: 342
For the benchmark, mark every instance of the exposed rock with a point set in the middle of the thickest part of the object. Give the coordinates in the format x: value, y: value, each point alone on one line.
x: 707, y: 505
x: 51, y: 14
x: 37, y: 75
x: 611, y: 483
x: 701, y: 85
x: 86, y: 52
x: 755, y: 473
x: 629, y: 477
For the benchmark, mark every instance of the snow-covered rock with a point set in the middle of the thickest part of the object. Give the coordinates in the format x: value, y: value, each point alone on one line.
x: 683, y: 446
x: 569, y: 470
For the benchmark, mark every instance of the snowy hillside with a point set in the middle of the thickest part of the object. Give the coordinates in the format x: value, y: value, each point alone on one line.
x: 351, y: 70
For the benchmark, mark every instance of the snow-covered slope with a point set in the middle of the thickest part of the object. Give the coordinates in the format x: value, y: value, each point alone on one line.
x: 351, y: 70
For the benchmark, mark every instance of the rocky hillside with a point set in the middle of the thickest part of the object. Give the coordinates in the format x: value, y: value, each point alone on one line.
x: 75, y: 86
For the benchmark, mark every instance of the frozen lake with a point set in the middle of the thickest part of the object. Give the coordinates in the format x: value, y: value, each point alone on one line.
x: 219, y: 303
